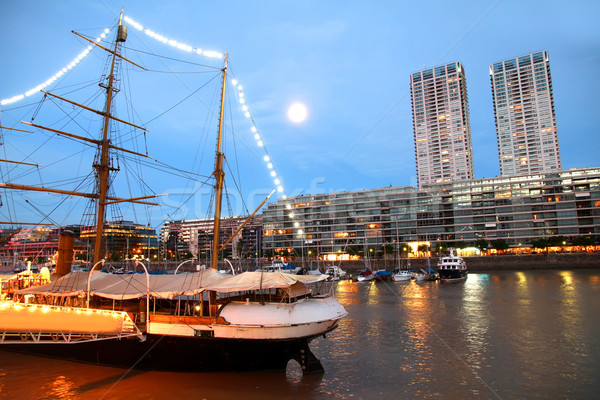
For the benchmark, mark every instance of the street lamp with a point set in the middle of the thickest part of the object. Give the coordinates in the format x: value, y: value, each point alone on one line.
x: 301, y: 232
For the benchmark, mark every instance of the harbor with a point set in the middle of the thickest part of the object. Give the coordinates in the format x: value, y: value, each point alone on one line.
x: 490, y: 263
x: 213, y: 210
x: 498, y: 335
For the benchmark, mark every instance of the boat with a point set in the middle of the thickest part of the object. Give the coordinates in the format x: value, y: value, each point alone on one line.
x: 310, y: 271
x: 365, y: 276
x: 281, y: 266
x: 382, y: 275
x: 403, y: 273
x: 190, y: 321
x: 420, y: 276
x: 452, y: 268
x: 402, y: 276
x: 431, y: 274
x: 335, y: 273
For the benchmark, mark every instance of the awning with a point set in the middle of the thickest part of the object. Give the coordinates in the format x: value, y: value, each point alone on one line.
x: 127, y: 286
x: 258, y: 280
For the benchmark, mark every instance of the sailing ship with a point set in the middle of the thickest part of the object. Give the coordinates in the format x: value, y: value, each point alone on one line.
x: 195, y: 321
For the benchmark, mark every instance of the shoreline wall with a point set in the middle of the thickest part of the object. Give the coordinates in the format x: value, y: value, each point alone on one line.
x: 487, y: 263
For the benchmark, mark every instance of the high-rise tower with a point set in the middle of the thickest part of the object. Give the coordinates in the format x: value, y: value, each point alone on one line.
x: 524, y: 112
x: 443, y: 148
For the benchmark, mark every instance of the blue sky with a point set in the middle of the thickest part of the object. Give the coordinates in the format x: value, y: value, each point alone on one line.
x: 348, y: 61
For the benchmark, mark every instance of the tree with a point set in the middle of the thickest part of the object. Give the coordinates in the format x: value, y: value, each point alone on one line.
x: 582, y: 241
x: 556, y: 241
x: 404, y: 248
x: 353, y: 250
x: 539, y: 243
x: 461, y: 245
x: 423, y: 248
x: 388, y: 249
x: 115, y: 256
x: 226, y: 253
x: 312, y: 252
x: 241, y: 248
x: 500, y: 244
x: 482, y: 244
x: 441, y: 247
x: 268, y: 253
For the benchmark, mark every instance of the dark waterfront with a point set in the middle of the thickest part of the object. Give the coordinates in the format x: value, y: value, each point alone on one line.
x: 500, y: 335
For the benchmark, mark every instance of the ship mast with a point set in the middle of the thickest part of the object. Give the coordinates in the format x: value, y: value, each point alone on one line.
x: 103, y: 168
x: 219, y: 176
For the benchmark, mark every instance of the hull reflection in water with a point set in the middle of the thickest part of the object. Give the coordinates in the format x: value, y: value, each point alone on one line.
x: 168, y: 353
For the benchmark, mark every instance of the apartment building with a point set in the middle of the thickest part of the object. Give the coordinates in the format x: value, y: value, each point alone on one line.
x: 524, y: 113
x: 442, y: 132
x: 517, y: 209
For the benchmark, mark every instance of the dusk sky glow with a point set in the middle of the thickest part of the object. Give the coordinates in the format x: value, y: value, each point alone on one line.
x: 348, y: 62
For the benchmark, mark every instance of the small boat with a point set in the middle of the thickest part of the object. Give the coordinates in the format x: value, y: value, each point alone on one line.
x: 432, y: 275
x: 335, y: 273
x: 420, y: 276
x: 311, y: 272
x: 383, y: 275
x: 281, y: 266
x: 452, y: 268
x: 402, y: 276
x: 366, y: 275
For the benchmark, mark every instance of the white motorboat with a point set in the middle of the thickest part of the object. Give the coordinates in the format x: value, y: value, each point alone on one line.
x: 402, y: 276
x: 335, y: 273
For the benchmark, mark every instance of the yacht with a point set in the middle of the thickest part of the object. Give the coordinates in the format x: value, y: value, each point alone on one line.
x: 452, y: 268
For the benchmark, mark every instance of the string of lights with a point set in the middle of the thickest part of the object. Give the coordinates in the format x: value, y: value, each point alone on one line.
x: 171, y: 42
x: 277, y: 180
x: 57, y: 75
x: 239, y: 90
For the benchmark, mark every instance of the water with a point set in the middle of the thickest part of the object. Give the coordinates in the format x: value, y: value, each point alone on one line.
x: 504, y: 335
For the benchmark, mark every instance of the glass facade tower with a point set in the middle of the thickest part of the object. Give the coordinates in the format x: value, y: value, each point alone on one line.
x: 442, y: 132
x: 524, y: 113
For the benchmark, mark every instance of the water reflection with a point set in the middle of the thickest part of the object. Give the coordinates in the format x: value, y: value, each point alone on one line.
x: 61, y: 388
x: 502, y: 335
x: 475, y: 319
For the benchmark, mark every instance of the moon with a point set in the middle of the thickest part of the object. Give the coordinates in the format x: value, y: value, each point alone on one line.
x: 297, y: 112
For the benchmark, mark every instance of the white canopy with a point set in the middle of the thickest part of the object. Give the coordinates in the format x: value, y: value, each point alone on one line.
x: 127, y: 286
x: 131, y: 286
x: 257, y: 280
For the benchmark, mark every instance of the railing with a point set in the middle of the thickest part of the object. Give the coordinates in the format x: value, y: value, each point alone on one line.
x: 34, y: 323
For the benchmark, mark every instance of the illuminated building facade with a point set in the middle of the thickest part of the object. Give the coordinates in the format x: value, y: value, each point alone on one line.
x: 123, y: 239
x: 517, y: 209
x: 442, y: 132
x: 39, y: 244
x: 524, y: 113
x: 196, y: 236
